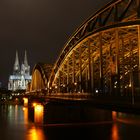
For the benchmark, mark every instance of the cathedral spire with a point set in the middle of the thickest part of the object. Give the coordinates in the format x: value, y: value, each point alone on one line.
x: 21, y: 75
x: 16, y: 64
x: 25, y: 59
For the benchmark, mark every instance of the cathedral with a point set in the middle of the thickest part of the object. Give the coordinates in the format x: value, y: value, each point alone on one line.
x: 21, y: 75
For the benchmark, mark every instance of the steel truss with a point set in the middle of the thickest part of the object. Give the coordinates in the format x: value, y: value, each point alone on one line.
x: 103, y: 55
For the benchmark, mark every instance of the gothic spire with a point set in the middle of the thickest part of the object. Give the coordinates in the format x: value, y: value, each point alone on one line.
x: 25, y: 59
x: 16, y: 64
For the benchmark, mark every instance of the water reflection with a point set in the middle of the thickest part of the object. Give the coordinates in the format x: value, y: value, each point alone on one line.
x: 25, y: 109
x: 15, y: 124
x: 35, y: 133
x: 114, y: 115
x: 14, y: 114
x: 115, y: 134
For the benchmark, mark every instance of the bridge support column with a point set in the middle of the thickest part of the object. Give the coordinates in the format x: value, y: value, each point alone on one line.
x: 101, y: 63
x: 68, y: 76
x: 63, y: 81
x: 131, y: 71
x: 86, y: 79
x: 59, y: 83
x: 80, y: 69
x: 123, y: 67
x: 111, y: 70
x: 73, y: 72
x: 92, y: 76
x: 25, y: 102
x: 89, y: 67
x: 139, y: 53
x: 117, y: 60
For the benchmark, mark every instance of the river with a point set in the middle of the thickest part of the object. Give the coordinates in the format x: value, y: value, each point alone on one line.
x: 16, y: 125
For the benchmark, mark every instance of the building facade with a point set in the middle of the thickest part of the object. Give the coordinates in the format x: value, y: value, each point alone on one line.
x: 21, y: 75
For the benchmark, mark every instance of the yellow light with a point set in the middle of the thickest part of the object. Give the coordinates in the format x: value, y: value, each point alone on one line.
x: 114, y: 115
x: 39, y: 108
x: 115, y: 135
x: 38, y: 113
x: 35, y: 134
x: 34, y: 104
x: 24, y: 109
x: 25, y: 101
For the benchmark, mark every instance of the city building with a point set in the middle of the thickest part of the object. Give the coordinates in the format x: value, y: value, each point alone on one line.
x: 21, y: 74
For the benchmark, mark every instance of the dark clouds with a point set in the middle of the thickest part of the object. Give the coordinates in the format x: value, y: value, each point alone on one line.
x: 41, y: 27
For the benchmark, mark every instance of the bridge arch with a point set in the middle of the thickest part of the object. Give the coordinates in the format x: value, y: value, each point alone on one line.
x: 40, y: 76
x: 103, y: 55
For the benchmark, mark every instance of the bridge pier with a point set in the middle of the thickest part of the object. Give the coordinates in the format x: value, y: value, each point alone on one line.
x: 60, y: 112
x: 55, y: 112
x: 25, y: 102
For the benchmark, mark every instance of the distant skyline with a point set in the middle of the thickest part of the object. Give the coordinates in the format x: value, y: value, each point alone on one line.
x: 41, y: 27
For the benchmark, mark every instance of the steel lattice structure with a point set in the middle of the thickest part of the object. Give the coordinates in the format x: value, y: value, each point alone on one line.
x: 103, y: 55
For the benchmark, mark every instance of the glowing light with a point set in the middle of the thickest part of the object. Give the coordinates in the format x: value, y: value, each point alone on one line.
x: 38, y: 113
x: 96, y: 91
x: 114, y: 115
x: 34, y: 104
x: 75, y: 83
x: 25, y: 109
x: 25, y: 101
x: 39, y: 108
x: 35, y: 134
x: 115, y: 135
x: 16, y: 100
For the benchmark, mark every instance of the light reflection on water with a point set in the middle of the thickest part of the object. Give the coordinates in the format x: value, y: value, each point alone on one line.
x: 25, y: 112
x: 115, y: 134
x: 15, y: 123
x: 35, y: 133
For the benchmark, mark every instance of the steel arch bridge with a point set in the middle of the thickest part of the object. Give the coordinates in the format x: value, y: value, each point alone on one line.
x: 103, y: 55
x: 40, y: 77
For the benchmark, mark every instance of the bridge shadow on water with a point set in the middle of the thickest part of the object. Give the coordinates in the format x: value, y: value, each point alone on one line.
x: 79, y: 121
x: 61, y: 121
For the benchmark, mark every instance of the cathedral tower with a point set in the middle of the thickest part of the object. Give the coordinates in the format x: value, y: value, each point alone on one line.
x: 21, y: 76
x: 25, y: 68
x: 16, y: 69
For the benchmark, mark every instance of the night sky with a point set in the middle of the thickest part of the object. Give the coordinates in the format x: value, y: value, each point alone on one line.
x: 42, y: 27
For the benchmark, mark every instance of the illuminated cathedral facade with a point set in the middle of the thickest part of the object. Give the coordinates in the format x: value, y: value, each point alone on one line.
x: 21, y: 75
